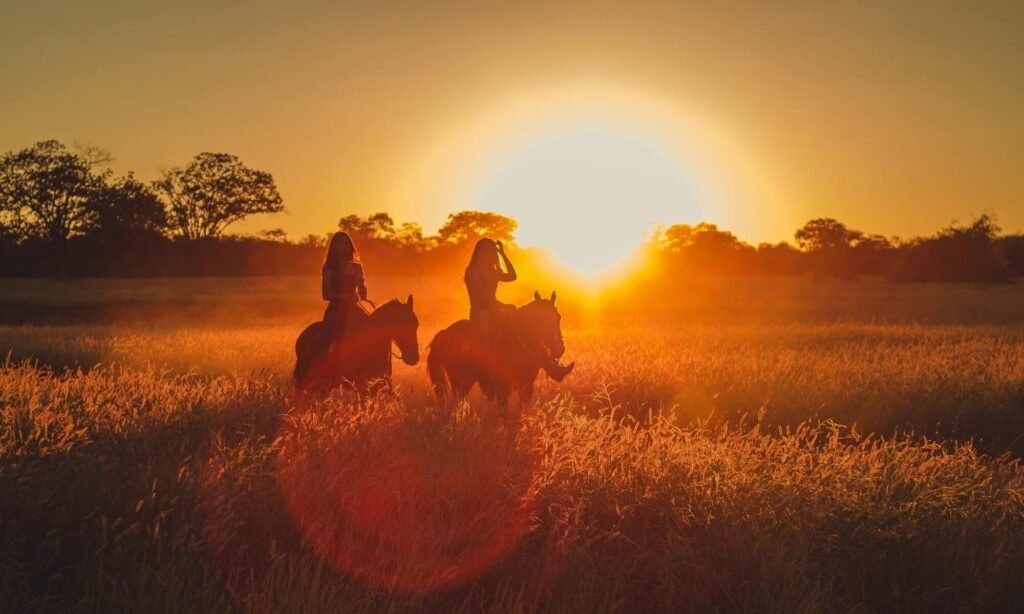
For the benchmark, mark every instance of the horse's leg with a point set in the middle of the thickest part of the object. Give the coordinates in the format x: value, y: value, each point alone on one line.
x: 460, y: 387
x: 442, y: 397
x: 525, y: 395
x: 514, y: 416
x: 505, y: 417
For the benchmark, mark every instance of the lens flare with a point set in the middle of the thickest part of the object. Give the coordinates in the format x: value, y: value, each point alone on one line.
x: 415, y: 513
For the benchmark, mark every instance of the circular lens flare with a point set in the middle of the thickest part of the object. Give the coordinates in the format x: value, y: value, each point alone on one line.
x: 406, y: 510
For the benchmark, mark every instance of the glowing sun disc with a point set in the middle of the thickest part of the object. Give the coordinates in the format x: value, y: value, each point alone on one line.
x: 588, y: 191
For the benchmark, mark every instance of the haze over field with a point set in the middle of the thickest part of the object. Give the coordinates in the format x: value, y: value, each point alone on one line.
x: 563, y: 306
x: 691, y: 459
x: 757, y: 116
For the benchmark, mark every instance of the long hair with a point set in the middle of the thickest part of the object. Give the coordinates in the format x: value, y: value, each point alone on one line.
x: 340, y: 243
x: 485, y: 255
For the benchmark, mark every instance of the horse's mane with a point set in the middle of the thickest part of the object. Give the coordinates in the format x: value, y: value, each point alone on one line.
x: 534, y: 305
x: 391, y: 306
x: 393, y: 301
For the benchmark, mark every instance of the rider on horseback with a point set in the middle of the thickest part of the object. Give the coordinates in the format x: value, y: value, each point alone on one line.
x: 342, y: 285
x: 486, y: 312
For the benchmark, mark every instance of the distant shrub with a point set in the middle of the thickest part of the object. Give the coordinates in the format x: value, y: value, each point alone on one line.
x: 955, y: 254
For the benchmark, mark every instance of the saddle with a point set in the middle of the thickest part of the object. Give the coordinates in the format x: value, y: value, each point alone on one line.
x: 488, y: 326
x: 357, y: 317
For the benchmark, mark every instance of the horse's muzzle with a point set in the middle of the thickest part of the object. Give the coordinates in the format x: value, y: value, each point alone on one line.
x: 411, y: 358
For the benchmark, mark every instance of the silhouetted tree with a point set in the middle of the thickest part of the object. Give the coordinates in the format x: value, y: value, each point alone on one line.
x: 124, y: 212
x: 55, y: 202
x: 411, y: 235
x: 780, y: 259
x: 276, y: 235
x: 214, y: 191
x: 824, y: 234
x: 378, y: 226
x: 46, y: 191
x: 703, y: 236
x: 704, y: 249
x: 469, y: 226
x: 838, y: 250
x: 956, y: 254
x: 1012, y: 248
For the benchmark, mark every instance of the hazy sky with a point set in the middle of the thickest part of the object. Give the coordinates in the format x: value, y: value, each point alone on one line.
x: 894, y: 117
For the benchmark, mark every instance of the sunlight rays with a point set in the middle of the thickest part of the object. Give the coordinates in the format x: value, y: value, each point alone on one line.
x: 589, y: 168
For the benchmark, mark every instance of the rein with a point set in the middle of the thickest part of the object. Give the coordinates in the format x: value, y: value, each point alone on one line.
x: 391, y: 342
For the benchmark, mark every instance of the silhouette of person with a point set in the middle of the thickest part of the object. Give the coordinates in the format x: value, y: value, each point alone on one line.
x: 482, y: 277
x: 342, y: 285
x: 484, y: 273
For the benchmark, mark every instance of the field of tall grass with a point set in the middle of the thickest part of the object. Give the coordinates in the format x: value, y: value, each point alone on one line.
x: 764, y: 445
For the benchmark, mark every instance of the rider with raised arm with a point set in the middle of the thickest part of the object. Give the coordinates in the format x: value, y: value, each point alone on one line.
x: 342, y: 285
x: 482, y: 276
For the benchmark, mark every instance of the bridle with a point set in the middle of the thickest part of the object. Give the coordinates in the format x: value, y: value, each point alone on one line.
x: 391, y: 352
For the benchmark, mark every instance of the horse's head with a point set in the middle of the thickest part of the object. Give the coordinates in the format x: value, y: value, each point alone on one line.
x: 402, y: 324
x: 546, y: 323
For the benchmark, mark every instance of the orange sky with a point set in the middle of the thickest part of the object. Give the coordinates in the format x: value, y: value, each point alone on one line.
x: 892, y: 118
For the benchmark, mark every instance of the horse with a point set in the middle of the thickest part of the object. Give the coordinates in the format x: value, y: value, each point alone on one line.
x: 524, y: 340
x: 364, y: 356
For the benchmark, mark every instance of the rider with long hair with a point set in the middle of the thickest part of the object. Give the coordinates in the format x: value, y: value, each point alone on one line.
x: 489, y: 266
x: 342, y: 284
x: 482, y: 276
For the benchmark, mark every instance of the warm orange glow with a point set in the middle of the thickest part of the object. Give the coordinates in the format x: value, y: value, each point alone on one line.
x: 589, y: 168
x: 364, y: 98
x: 588, y: 192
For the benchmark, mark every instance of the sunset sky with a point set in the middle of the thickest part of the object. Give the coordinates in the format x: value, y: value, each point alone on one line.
x: 754, y: 115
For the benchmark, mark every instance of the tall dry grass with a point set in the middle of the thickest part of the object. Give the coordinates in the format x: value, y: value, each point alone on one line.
x: 949, y: 381
x: 688, y: 464
x: 144, y: 490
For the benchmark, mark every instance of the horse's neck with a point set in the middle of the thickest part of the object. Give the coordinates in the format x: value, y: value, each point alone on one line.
x: 518, y: 323
x: 518, y: 333
x: 378, y: 325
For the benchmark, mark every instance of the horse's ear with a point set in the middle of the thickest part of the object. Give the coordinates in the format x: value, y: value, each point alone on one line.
x: 553, y: 297
x: 409, y: 302
x: 536, y: 295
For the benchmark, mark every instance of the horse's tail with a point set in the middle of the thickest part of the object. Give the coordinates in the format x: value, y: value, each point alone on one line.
x: 440, y: 384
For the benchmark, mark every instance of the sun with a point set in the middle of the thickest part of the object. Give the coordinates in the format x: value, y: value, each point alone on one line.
x: 588, y: 190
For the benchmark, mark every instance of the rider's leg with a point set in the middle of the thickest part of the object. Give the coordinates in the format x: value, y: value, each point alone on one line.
x: 337, y: 328
x: 480, y: 319
x: 485, y: 328
x: 330, y: 319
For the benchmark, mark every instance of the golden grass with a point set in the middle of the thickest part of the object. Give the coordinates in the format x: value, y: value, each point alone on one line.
x: 160, y: 467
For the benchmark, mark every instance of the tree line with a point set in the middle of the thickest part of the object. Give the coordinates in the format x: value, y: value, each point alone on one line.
x: 825, y: 247
x: 64, y: 213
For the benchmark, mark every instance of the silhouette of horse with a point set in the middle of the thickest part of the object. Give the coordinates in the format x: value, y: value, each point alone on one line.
x: 364, y: 356
x: 523, y: 341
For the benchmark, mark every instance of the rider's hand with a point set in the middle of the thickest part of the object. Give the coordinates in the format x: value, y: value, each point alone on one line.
x: 501, y: 248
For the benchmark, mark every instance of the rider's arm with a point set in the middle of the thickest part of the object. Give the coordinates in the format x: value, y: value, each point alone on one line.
x: 510, y: 271
x: 327, y: 285
x: 360, y: 282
